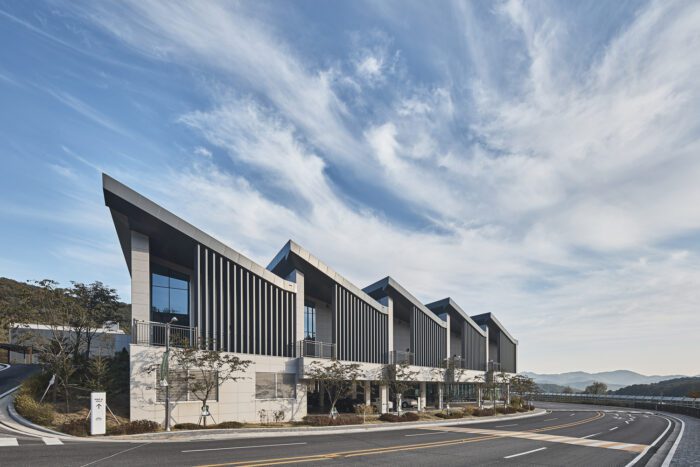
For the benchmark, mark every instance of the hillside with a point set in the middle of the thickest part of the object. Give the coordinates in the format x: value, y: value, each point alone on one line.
x: 677, y: 387
x: 614, y: 379
x: 11, y: 292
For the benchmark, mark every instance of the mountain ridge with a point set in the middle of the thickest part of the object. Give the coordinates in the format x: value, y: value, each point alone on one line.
x: 615, y: 379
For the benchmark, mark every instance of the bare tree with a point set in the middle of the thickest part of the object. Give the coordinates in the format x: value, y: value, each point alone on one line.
x: 596, y: 387
x: 98, y: 304
x: 336, y: 377
x: 399, y: 378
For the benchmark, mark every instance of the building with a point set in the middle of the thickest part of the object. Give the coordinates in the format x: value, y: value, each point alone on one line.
x: 106, y: 341
x: 284, y: 317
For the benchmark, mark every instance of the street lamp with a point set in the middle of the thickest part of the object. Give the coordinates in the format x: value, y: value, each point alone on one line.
x: 164, y: 371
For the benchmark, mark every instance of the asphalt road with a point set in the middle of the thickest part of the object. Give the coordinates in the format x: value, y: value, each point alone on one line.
x: 545, y: 440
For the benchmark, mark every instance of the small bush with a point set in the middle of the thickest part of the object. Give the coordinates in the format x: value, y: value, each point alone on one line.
x: 325, y: 420
x: 394, y: 418
x: 483, y: 412
x: 75, y: 427
x: 505, y: 410
x: 453, y: 414
x: 42, y: 414
x: 228, y: 425
x: 134, y: 427
x: 188, y: 426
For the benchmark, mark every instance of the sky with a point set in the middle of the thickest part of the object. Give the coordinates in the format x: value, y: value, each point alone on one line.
x: 537, y: 160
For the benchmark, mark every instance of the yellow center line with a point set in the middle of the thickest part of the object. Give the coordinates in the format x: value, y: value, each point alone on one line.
x: 386, y: 449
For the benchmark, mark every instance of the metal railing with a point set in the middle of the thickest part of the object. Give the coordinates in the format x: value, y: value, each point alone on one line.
x: 157, y: 334
x: 315, y: 349
x: 455, y: 363
x: 401, y: 357
x: 684, y: 405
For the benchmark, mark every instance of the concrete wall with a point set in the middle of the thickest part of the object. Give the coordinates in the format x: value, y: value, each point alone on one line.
x: 102, y: 344
x: 236, y: 399
x: 140, y: 277
x: 455, y: 344
x: 324, y: 321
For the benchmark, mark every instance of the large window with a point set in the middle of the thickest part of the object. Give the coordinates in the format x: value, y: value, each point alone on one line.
x: 309, y: 321
x: 275, y: 385
x: 170, y: 295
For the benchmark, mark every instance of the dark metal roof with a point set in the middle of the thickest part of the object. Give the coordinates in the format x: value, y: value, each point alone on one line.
x: 456, y: 311
x: 489, y: 318
x: 390, y: 283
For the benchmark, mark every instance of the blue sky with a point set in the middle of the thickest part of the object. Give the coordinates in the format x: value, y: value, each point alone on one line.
x: 538, y: 160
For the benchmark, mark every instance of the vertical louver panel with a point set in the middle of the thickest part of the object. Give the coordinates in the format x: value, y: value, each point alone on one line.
x: 359, y: 329
x: 428, y: 340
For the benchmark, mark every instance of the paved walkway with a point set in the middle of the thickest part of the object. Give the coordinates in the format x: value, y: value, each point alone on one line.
x: 688, y: 451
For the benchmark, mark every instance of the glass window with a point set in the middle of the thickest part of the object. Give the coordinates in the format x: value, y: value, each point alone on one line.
x: 169, y: 295
x: 275, y: 385
x: 309, y: 321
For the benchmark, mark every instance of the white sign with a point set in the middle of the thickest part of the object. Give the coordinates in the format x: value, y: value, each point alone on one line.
x: 98, y: 413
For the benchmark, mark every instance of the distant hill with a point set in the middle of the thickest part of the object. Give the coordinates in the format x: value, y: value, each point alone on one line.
x: 546, y: 387
x: 11, y: 292
x: 614, y: 379
x: 677, y: 387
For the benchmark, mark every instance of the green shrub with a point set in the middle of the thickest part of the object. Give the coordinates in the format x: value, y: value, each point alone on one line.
x: 228, y: 425
x: 483, y: 412
x: 134, y: 427
x: 453, y: 414
x: 325, y: 420
x: 394, y: 418
x: 188, y: 426
x: 75, y: 427
x: 42, y: 414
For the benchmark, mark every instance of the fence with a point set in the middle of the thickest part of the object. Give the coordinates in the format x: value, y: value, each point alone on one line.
x: 682, y: 405
x: 316, y: 349
x: 401, y: 357
x: 152, y: 333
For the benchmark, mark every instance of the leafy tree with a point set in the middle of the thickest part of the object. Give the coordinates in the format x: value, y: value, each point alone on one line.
x: 567, y: 390
x: 504, y: 381
x: 336, y: 377
x: 596, y: 388
x: 206, y: 370
x: 452, y: 374
x: 523, y: 386
x: 399, y: 378
x: 98, y: 304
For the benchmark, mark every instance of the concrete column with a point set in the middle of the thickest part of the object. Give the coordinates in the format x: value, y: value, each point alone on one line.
x: 447, y: 333
x: 384, y: 398
x: 353, y: 390
x: 508, y: 394
x: 441, y: 395
x: 298, y: 277
x: 140, y: 277
x: 368, y: 393
x: 422, y: 400
x: 389, y: 303
x: 479, y: 396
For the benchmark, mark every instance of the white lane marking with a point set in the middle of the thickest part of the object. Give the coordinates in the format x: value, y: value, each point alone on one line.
x: 4, y: 366
x: 643, y: 453
x: 243, y: 447
x: 550, y: 419
x: 613, y: 428
x: 572, y: 415
x: 672, y: 452
x: 114, y: 455
x: 8, y: 442
x: 51, y: 441
x: 523, y: 453
x: 503, y: 426
x: 9, y: 392
x: 591, y: 436
x: 426, y: 434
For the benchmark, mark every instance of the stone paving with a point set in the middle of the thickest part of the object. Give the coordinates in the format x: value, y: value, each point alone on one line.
x: 688, y: 452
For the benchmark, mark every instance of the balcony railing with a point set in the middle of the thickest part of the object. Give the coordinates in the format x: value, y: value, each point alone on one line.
x: 455, y: 363
x: 315, y: 349
x: 158, y: 334
x: 401, y: 357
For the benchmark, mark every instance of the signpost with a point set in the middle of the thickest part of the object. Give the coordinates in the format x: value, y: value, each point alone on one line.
x: 98, y: 413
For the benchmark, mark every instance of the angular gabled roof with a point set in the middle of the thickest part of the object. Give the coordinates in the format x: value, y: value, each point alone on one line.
x: 451, y: 304
x: 390, y: 283
x: 120, y: 198
x: 293, y: 248
x: 488, y: 318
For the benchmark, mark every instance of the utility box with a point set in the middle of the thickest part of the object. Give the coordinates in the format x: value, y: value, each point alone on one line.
x: 98, y: 413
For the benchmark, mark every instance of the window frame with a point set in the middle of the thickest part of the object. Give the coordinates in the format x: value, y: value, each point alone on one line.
x: 279, y: 380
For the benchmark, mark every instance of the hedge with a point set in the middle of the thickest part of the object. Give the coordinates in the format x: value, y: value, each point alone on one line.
x: 325, y: 420
x: 134, y: 427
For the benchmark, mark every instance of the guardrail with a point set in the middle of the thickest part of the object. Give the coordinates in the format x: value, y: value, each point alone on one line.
x: 315, y: 349
x: 158, y: 334
x: 682, y: 405
x: 401, y: 357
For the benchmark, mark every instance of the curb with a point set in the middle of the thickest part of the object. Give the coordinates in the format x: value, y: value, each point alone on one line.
x: 23, y: 421
x: 243, y: 433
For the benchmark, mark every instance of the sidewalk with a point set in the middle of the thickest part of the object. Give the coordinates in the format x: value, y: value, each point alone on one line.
x: 11, y: 419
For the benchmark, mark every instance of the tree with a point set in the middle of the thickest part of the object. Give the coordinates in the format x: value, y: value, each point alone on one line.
x: 596, y: 388
x: 398, y: 377
x: 488, y: 384
x: 336, y: 377
x: 206, y: 370
x: 567, y: 390
x: 523, y: 386
x: 504, y: 380
x: 98, y: 304
x: 453, y: 374
x: 98, y: 374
